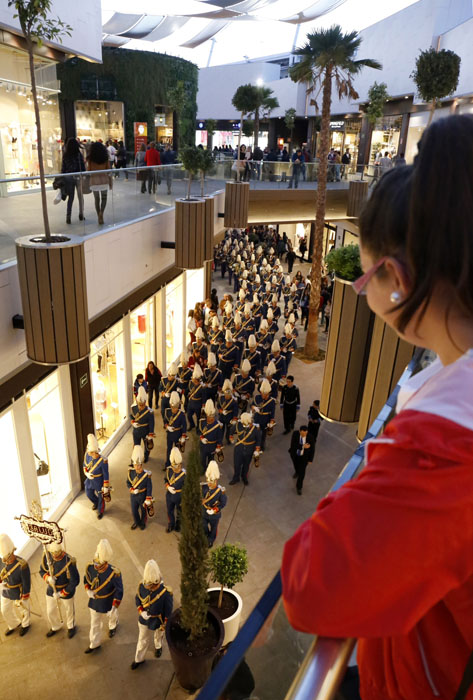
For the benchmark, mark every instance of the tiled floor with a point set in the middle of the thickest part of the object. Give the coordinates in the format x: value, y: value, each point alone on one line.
x: 261, y: 516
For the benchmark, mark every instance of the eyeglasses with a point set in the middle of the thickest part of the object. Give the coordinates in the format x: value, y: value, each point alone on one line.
x: 359, y: 285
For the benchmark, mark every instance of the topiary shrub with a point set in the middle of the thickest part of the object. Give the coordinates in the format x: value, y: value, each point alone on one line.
x: 191, y: 158
x: 436, y: 75
x: 345, y: 262
x: 228, y: 566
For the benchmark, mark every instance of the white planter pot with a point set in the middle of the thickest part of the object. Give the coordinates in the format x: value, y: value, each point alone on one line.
x: 231, y: 624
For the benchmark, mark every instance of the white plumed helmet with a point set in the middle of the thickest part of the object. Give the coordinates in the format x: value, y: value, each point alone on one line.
x: 246, y: 366
x: 55, y: 547
x: 92, y: 444
x: 288, y: 329
x: 228, y: 336
x: 271, y: 369
x: 275, y: 299
x: 151, y: 574
x: 228, y: 308
x: 184, y: 357
x: 275, y: 347
x: 246, y: 418
x: 237, y: 318
x: 137, y: 456
x: 175, y: 456
x: 292, y: 318
x: 270, y: 314
x: 141, y: 396
x: 172, y: 370
x: 227, y: 386
x: 241, y: 294
x: 251, y: 341
x: 247, y: 309
x: 211, y: 359
x: 6, y: 546
x: 175, y: 399
x: 215, y: 323
x: 212, y: 472
x: 265, y: 387
x: 104, y: 552
x: 268, y: 287
x: 197, y: 373
x: 263, y: 326
x: 209, y: 408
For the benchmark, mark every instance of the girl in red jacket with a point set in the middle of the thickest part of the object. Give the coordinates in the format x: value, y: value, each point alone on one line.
x: 388, y: 558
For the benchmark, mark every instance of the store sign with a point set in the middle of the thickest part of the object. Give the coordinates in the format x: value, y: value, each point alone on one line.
x: 43, y: 531
x: 337, y: 126
x: 140, y: 131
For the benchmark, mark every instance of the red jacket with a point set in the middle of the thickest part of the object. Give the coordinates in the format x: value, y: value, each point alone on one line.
x: 389, y: 557
x: 152, y: 157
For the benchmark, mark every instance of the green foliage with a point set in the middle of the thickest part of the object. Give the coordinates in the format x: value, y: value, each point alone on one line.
x: 35, y: 23
x: 264, y: 101
x: 290, y: 118
x: 436, y: 73
x: 193, y: 551
x: 207, y: 161
x: 211, y: 126
x: 228, y: 564
x: 248, y: 128
x: 345, y: 262
x: 131, y: 77
x: 244, y: 98
x: 334, y: 51
x: 191, y: 158
x: 378, y: 96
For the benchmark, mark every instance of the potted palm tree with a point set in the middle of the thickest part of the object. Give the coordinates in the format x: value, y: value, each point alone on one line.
x: 194, y: 631
x: 351, y: 325
x: 228, y: 566
x: 327, y: 58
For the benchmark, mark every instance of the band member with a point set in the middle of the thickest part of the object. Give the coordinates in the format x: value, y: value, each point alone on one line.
x: 175, y: 479
x: 247, y: 439
x: 269, y: 373
x: 200, y: 345
x: 213, y: 378
x: 142, y: 421
x: 227, y: 407
x: 278, y: 360
x: 184, y: 375
x: 248, y: 324
x: 96, y: 475
x: 244, y: 385
x: 253, y: 356
x: 264, y: 408
x: 104, y: 587
x: 141, y: 488
x: 214, y: 500
x: 216, y: 335
x: 211, y: 434
x: 175, y: 424
x: 288, y: 345
x: 167, y: 386
x: 59, y: 570
x: 194, y: 405
x: 15, y: 584
x: 154, y: 602
x: 228, y: 356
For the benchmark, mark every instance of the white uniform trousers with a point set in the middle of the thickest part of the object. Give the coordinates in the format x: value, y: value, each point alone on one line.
x: 67, y: 607
x: 16, y: 612
x: 96, y: 621
x: 144, y: 637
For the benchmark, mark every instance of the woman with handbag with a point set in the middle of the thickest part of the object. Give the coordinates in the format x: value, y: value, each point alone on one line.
x: 100, y: 182
x: 73, y: 162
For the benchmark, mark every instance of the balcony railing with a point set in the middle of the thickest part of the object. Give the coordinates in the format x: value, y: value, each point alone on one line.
x: 286, y: 664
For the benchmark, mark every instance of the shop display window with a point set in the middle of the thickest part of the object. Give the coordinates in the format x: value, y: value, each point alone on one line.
x: 385, y: 137
x: 49, y: 444
x: 142, y: 337
x: 194, y: 291
x: 109, y: 388
x: 350, y: 238
x: 174, y: 319
x: 12, y: 496
x: 96, y: 120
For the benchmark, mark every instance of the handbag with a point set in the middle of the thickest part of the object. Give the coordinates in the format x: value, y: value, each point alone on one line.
x: 85, y: 182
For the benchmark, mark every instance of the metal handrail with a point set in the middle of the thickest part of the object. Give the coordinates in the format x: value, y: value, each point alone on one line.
x: 114, y: 171
x: 325, y: 663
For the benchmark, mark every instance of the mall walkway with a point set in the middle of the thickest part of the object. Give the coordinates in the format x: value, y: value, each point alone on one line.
x: 261, y: 516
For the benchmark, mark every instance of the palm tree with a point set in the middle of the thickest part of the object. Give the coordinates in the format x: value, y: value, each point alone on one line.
x: 264, y: 102
x: 328, y: 57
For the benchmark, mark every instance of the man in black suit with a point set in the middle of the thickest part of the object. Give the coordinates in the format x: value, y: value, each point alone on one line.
x: 302, y: 453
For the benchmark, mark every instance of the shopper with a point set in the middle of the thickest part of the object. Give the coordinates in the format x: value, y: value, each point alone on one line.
x: 290, y: 257
x: 297, y: 160
x: 152, y: 158
x: 387, y: 558
x: 303, y: 247
x: 99, y: 182
x: 73, y: 162
x: 153, y: 378
x: 346, y: 160
x: 139, y: 381
x: 121, y: 158
x: 168, y: 158
x: 327, y: 310
x: 141, y: 175
x: 302, y: 453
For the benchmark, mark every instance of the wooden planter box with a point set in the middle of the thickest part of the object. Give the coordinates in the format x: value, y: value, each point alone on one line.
x: 357, y: 196
x: 346, y: 359
x: 237, y: 197
x: 194, y: 232
x: 389, y: 356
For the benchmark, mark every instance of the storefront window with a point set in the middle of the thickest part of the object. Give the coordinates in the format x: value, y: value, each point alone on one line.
x: 330, y: 236
x: 174, y: 319
x: 142, y: 337
x: 99, y: 120
x: 18, y: 139
x: 109, y: 389
x: 350, y: 238
x: 49, y: 444
x: 163, y: 122
x: 12, y: 497
x: 385, y: 137
x: 194, y: 288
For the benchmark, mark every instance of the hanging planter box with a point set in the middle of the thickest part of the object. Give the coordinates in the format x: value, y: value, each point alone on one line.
x: 357, y: 196
x: 54, y: 298
x: 237, y: 197
x: 346, y: 359
x: 388, y: 358
x: 194, y: 232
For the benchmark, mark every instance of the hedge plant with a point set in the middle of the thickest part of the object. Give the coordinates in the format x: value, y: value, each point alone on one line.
x: 228, y: 566
x: 345, y: 262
